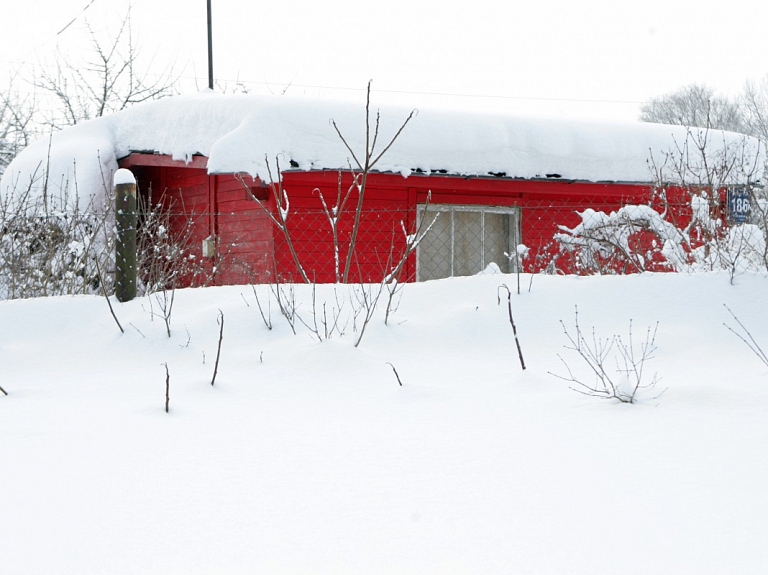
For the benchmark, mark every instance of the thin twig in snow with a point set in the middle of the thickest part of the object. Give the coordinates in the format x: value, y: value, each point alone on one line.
x: 396, y: 374
x: 511, y: 321
x: 220, y: 321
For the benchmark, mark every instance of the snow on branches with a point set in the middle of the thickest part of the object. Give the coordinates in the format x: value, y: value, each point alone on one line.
x: 686, y: 225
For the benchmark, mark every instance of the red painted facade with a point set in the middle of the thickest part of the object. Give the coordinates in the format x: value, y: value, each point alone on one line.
x: 250, y: 247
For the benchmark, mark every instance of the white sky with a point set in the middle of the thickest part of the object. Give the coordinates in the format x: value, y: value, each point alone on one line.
x: 593, y: 58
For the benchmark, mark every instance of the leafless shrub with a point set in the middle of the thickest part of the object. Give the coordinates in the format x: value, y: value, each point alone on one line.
x: 746, y: 336
x: 338, y: 320
x: 189, y: 339
x: 334, y: 213
x: 313, y: 327
x: 364, y: 298
x: 266, y: 318
x: 322, y: 319
x: 164, y: 299
x: 318, y: 321
x: 370, y: 158
x: 394, y: 295
x: 622, y: 382
x: 286, y: 303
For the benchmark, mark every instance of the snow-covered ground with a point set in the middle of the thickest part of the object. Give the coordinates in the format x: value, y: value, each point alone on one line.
x: 308, y: 457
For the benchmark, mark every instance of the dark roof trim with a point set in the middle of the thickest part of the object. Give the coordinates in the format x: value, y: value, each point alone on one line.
x: 136, y: 159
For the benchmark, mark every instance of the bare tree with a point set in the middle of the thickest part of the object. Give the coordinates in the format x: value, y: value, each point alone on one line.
x: 16, y: 123
x: 109, y: 80
x: 754, y: 107
x: 360, y: 167
x: 694, y: 105
x: 365, y: 165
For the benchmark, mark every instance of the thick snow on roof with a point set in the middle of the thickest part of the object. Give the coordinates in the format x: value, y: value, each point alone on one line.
x: 238, y: 133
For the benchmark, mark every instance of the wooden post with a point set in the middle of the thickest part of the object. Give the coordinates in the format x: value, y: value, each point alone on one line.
x: 125, y: 242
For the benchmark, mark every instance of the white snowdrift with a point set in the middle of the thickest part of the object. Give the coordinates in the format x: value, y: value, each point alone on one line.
x: 237, y: 133
x: 308, y: 457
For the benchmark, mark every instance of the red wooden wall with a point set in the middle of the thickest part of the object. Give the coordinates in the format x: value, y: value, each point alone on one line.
x: 244, y: 231
x: 252, y: 249
x: 380, y: 242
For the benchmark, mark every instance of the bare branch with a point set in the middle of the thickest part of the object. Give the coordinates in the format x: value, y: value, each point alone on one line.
x: 220, y: 321
x: 396, y: 374
x: 511, y: 321
x: 748, y: 340
x: 109, y: 80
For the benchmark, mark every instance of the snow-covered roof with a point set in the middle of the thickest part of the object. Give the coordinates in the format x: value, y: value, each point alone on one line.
x: 239, y: 132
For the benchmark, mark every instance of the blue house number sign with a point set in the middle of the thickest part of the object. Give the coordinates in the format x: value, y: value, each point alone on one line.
x: 738, y: 205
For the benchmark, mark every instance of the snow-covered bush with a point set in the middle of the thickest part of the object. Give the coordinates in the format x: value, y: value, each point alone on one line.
x: 635, y: 238
x: 165, y: 258
x: 51, y: 247
x: 638, y: 238
x: 46, y: 251
x: 684, y: 226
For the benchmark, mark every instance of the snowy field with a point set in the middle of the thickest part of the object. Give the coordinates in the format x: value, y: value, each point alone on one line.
x: 306, y: 456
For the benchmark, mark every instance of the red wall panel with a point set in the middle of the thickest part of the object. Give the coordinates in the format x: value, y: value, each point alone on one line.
x: 252, y: 249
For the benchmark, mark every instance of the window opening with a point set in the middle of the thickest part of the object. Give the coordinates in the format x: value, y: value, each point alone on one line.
x: 465, y: 240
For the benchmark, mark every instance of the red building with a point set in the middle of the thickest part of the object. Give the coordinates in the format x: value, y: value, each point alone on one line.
x: 480, y: 220
x: 495, y: 183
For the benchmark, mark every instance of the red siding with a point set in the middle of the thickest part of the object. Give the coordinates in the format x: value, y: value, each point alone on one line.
x: 252, y: 249
x: 380, y: 239
x: 244, y: 230
x: 544, y: 206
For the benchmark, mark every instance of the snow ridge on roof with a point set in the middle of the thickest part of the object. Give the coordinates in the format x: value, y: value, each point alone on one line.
x: 239, y: 133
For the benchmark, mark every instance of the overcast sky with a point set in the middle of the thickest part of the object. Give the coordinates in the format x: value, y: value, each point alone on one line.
x: 591, y: 58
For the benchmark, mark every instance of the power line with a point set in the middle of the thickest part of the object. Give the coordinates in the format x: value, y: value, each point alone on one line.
x: 75, y: 18
x: 238, y: 80
x: 54, y: 36
x: 447, y: 94
x: 416, y: 92
x: 456, y: 95
x: 346, y: 88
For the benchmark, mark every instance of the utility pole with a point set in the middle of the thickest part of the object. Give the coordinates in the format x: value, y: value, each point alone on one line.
x: 210, y: 49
